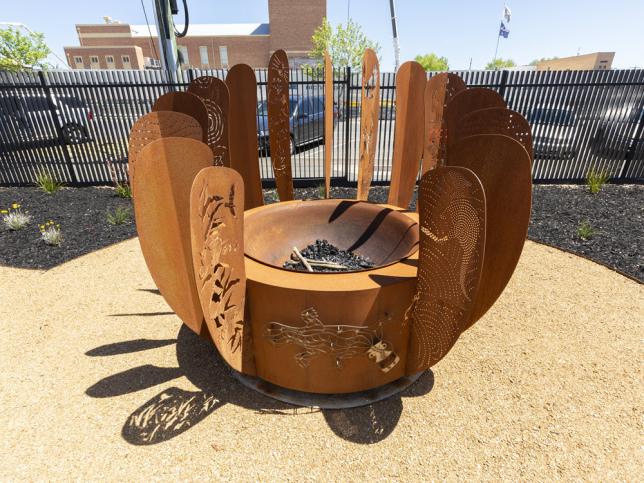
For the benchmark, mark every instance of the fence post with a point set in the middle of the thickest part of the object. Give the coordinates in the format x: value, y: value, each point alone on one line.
x: 59, y: 128
x: 191, y: 75
x: 347, y: 124
x: 634, y: 142
x: 504, y: 81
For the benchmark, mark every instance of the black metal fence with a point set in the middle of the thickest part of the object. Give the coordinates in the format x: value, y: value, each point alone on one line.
x: 75, y: 124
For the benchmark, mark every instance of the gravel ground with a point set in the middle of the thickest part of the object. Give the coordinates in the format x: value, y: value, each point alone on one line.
x: 616, y: 214
x: 101, y: 383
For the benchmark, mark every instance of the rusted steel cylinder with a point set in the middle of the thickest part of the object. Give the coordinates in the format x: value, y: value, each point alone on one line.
x: 330, y: 332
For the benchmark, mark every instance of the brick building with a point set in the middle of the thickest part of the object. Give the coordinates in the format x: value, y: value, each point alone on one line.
x: 114, y: 45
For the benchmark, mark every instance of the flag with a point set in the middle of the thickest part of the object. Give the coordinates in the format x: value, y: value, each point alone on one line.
x: 506, y: 14
x: 503, y: 31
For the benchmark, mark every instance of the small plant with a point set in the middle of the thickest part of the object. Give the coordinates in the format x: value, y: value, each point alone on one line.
x: 50, y: 233
x: 271, y: 197
x: 119, y: 216
x: 123, y: 191
x: 14, y: 218
x: 47, y: 182
x: 321, y: 191
x: 585, y: 231
x: 595, y: 180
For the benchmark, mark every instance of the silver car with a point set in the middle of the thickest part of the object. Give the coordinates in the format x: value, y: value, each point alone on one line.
x: 28, y: 119
x: 554, y: 131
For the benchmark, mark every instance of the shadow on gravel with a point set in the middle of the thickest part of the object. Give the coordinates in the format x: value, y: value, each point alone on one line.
x: 175, y: 410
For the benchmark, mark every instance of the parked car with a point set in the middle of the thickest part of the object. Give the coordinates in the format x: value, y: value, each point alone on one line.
x: 31, y: 117
x: 553, y: 132
x: 617, y: 131
x: 306, y: 121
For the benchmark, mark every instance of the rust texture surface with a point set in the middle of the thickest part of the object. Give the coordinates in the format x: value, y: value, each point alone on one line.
x: 331, y: 332
x: 217, y: 233
x: 156, y: 125
x: 408, y: 135
x: 469, y: 100
x: 370, y: 102
x: 439, y: 90
x: 278, y: 123
x: 185, y: 103
x: 495, y: 120
x: 452, y: 246
x: 242, y: 124
x: 214, y: 94
x: 328, y: 123
x: 165, y: 170
x: 503, y: 166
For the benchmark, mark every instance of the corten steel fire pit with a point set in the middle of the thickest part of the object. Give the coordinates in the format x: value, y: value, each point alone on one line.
x: 224, y: 262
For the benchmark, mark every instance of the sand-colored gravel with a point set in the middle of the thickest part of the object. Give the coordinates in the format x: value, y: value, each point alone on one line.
x: 98, y: 381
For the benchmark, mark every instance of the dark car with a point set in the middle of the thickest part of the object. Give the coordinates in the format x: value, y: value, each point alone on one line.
x: 554, y: 131
x: 306, y: 121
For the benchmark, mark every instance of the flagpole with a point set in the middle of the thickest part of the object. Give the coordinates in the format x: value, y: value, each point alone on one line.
x: 498, y: 37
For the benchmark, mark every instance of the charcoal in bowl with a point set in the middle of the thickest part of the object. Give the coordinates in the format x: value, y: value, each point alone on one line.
x: 322, y: 250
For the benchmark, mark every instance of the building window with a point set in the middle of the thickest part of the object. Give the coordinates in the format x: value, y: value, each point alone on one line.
x: 93, y: 62
x: 183, y: 55
x: 223, y: 56
x: 203, y: 53
x: 126, y: 61
x: 78, y: 62
x: 109, y: 60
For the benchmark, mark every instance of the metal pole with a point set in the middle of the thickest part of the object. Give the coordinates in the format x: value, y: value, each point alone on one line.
x: 394, y: 29
x: 498, y: 37
x: 167, y: 42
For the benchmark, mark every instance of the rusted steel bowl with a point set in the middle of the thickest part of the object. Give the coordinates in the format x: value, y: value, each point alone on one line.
x: 330, y: 332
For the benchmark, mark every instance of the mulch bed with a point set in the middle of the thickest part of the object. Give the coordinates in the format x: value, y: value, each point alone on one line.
x: 82, y: 215
x: 616, y: 214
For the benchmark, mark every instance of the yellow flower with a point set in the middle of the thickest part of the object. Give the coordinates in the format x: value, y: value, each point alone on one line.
x: 15, y: 206
x: 4, y: 212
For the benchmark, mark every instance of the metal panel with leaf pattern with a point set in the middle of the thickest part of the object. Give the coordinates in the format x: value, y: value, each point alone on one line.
x: 370, y: 102
x: 217, y: 233
x: 279, y: 132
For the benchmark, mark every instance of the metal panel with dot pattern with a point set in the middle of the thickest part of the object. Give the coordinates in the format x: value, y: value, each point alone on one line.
x: 452, y: 247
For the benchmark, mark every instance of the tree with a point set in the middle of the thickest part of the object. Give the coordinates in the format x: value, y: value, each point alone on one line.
x: 432, y: 62
x: 345, y: 45
x: 536, y: 61
x: 499, y: 64
x: 22, y: 52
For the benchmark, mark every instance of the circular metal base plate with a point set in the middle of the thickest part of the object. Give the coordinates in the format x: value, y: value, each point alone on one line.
x: 326, y: 401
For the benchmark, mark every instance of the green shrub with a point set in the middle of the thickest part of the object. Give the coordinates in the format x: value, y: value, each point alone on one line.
x: 123, y: 191
x: 119, y: 216
x: 47, y: 182
x: 322, y: 191
x: 14, y: 218
x: 596, y: 179
x: 585, y: 231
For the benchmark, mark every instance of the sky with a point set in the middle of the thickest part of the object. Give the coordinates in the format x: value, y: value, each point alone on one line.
x: 461, y: 31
